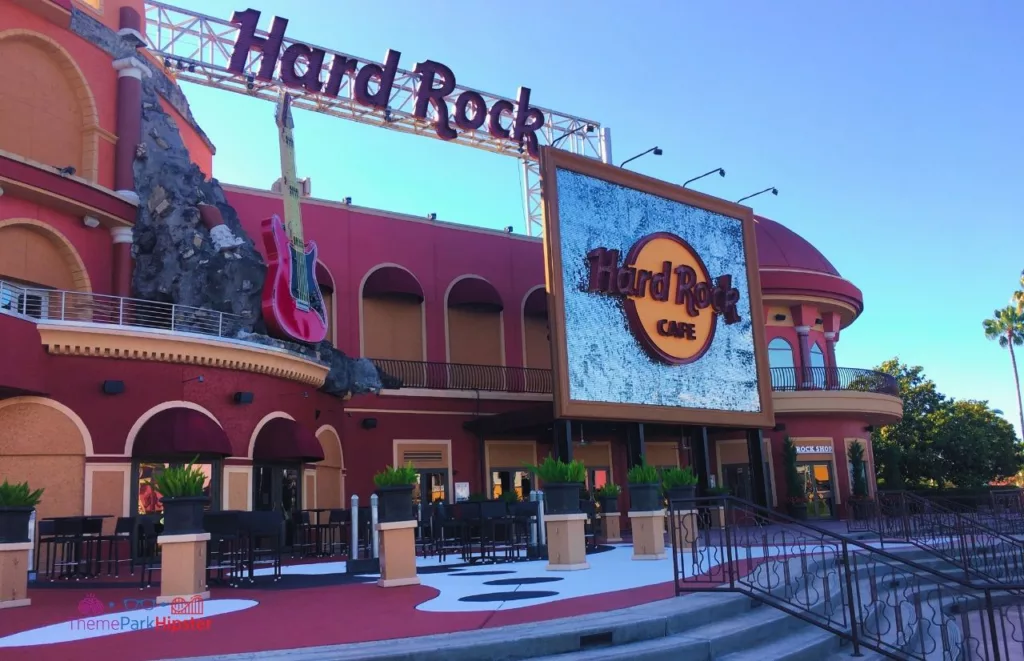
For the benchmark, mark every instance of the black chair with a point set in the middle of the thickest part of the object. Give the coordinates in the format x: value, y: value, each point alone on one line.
x: 335, y: 532
x: 91, y: 546
x: 224, y: 554
x: 147, y: 551
x: 523, y: 515
x: 446, y: 532
x: 68, y: 539
x: 264, y: 532
x: 123, y: 535
x: 47, y: 546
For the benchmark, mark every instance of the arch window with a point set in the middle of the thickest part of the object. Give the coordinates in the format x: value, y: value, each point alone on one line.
x: 474, y: 323
x: 392, y: 315
x: 780, y: 359
x: 817, y: 366
x: 536, y: 336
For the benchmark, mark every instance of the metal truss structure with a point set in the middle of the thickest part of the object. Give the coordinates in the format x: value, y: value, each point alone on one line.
x: 197, y: 48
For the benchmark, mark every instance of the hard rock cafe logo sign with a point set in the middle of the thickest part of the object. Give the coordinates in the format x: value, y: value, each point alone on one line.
x: 672, y: 303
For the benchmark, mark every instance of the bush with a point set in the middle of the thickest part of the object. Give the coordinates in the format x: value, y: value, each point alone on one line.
x: 609, y: 490
x: 678, y: 477
x: 795, y: 488
x: 396, y: 477
x: 642, y: 473
x: 180, y: 481
x: 556, y: 471
x: 19, y: 495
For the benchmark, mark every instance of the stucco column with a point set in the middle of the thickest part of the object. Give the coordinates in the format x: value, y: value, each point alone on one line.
x: 804, y: 379
x: 130, y: 71
x: 121, y: 269
x: 830, y: 355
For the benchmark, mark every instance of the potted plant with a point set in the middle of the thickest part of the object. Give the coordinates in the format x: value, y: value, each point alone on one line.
x: 859, y: 502
x: 679, y: 483
x: 16, y: 504
x: 562, y: 483
x: 181, y: 494
x: 796, y: 492
x: 608, y: 497
x: 394, y: 487
x: 644, y: 489
x: 510, y: 497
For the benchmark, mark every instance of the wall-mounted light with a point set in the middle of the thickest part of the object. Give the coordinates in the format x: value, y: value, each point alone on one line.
x: 347, y: 200
x: 242, y: 397
x: 90, y: 221
x: 431, y: 216
x: 817, y: 321
x: 780, y: 317
x: 199, y: 378
x: 779, y: 427
x: 113, y: 387
x: 508, y: 229
x: 368, y: 423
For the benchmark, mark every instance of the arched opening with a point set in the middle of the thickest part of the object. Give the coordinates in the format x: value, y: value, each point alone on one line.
x: 330, y: 473
x: 53, y: 123
x: 175, y: 437
x: 818, y: 371
x: 781, y: 362
x: 35, y: 261
x: 475, y: 335
x: 392, y: 315
x: 536, y: 336
x: 326, y: 282
x: 280, y: 450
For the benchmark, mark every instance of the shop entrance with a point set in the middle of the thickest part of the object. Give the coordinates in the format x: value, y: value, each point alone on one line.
x: 431, y: 486
x: 279, y: 488
x: 504, y: 480
x: 818, y: 485
x: 736, y: 478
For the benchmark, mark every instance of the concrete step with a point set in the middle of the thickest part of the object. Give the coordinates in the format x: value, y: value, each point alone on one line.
x: 806, y: 644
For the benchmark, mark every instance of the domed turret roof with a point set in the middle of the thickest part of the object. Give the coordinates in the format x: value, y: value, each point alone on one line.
x: 780, y: 247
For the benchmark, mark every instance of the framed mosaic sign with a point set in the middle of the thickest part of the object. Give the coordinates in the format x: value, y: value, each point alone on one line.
x: 655, y: 300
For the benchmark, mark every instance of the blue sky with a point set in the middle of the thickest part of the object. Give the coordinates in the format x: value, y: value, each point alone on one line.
x: 892, y: 130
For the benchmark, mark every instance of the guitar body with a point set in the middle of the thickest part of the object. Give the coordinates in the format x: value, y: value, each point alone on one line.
x: 293, y: 307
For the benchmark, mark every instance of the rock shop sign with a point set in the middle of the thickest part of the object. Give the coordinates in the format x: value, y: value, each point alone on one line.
x: 814, y: 449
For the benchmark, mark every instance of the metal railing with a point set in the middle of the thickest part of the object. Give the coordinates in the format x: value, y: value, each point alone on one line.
x: 455, y: 376
x: 833, y: 378
x: 869, y: 597
x: 81, y: 307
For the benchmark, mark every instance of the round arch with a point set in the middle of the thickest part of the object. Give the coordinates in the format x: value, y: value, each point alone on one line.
x: 53, y: 404
x: 330, y: 478
x: 362, y: 313
x: 259, y: 425
x: 79, y: 274
x: 527, y: 298
x: 447, y: 329
x: 331, y: 299
x: 83, y: 94
x: 129, y: 445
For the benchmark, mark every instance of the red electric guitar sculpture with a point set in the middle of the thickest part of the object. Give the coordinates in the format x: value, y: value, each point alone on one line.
x: 293, y: 307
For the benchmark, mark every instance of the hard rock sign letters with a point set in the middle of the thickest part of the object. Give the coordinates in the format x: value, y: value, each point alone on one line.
x: 671, y: 302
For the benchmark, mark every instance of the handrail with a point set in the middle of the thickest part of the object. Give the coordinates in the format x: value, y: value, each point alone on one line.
x: 869, y: 596
x: 786, y: 379
x: 54, y: 305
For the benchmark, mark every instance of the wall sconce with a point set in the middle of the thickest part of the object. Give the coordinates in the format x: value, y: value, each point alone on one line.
x: 347, y: 201
x: 780, y: 317
x: 368, y: 423
x: 869, y: 429
x: 431, y: 216
x: 199, y: 378
x: 779, y: 427
x: 243, y: 397
x: 90, y: 222
x: 113, y: 387
x: 817, y: 321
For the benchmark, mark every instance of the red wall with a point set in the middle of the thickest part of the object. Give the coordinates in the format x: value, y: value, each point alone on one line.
x: 353, y: 242
x: 23, y: 361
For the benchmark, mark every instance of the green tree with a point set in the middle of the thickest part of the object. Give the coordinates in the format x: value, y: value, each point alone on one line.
x: 1018, y: 300
x: 911, y: 436
x: 973, y: 445
x: 1007, y: 327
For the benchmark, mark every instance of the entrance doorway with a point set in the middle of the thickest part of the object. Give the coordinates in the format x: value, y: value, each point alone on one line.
x: 818, y: 484
x: 736, y: 478
x: 279, y: 488
x: 504, y: 480
x: 597, y: 477
x: 431, y: 486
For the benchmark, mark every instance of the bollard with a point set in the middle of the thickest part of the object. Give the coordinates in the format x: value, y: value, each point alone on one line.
x: 353, y: 550
x: 375, y: 539
x: 541, y: 533
x: 32, y: 559
x: 533, y: 524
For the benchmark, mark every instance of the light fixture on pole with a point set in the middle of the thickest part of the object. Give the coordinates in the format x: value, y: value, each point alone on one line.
x: 656, y: 150
x: 589, y: 128
x: 771, y: 189
x: 720, y: 171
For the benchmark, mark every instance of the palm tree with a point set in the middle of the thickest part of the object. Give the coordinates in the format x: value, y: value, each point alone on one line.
x: 1018, y: 296
x: 1007, y: 326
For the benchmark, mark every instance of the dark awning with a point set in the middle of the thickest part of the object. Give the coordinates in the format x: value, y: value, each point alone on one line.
x: 475, y: 291
x: 286, y: 441
x: 536, y: 304
x: 392, y: 280
x: 180, y: 431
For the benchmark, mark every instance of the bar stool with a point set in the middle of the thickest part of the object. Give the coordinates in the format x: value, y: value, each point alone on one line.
x: 122, y: 535
x: 68, y: 537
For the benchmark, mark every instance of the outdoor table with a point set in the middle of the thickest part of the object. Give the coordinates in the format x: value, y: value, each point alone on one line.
x: 78, y: 539
x: 318, y: 529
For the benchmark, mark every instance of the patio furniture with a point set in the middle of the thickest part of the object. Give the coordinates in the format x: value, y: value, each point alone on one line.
x: 123, y: 534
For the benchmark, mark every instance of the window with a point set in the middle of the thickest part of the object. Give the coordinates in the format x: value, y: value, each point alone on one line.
x: 146, y: 496
x: 506, y: 479
x: 780, y: 355
x: 817, y: 366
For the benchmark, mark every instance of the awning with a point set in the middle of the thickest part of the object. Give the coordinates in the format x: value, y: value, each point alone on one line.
x: 536, y: 304
x: 475, y: 291
x: 392, y: 280
x: 180, y: 431
x: 286, y: 441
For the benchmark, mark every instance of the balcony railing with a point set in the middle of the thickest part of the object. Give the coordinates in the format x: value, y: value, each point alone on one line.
x: 786, y: 379
x: 453, y: 376
x: 72, y: 306
x: 450, y: 376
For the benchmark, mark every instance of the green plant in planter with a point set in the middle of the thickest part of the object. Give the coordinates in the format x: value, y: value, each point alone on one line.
x: 855, y: 455
x: 180, y: 481
x: 404, y: 476
x: 672, y: 478
x: 556, y: 471
x: 609, y: 490
x: 510, y: 496
x: 19, y: 495
x: 642, y: 473
x: 795, y: 488
x: 718, y: 491
x: 476, y: 497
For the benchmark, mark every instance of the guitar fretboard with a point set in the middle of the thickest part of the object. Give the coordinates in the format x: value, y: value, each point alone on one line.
x: 289, y: 182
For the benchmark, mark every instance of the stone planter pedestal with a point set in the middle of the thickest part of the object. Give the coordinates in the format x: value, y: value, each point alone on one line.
x: 183, y: 567
x: 612, y: 527
x: 648, y: 534
x: 14, y: 574
x: 397, y: 554
x: 567, y: 549
x: 685, y: 529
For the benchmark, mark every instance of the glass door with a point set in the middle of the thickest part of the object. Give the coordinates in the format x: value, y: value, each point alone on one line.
x: 736, y: 478
x: 818, y: 485
x: 431, y: 486
x: 504, y: 480
x: 279, y: 488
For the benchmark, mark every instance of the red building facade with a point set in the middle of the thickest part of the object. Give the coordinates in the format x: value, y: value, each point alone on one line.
x: 93, y: 397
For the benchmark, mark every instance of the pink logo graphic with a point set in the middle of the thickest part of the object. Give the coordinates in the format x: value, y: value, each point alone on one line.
x: 90, y: 605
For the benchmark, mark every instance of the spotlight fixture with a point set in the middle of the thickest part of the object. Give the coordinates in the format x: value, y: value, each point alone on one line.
x: 431, y: 216
x: 387, y: 115
x: 199, y: 378
x: 167, y: 63
x: 589, y: 128
x: 90, y: 221
x: 243, y: 397
x: 780, y: 317
x: 250, y: 82
x: 66, y: 171
x: 772, y: 190
x: 113, y: 387
x: 653, y: 150
x: 368, y: 423
x: 191, y: 68
x: 347, y: 200
x: 508, y: 229
x: 720, y: 171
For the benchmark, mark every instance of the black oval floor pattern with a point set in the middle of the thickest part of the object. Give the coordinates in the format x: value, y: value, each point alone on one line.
x: 526, y: 580
x: 509, y: 596
x: 482, y: 573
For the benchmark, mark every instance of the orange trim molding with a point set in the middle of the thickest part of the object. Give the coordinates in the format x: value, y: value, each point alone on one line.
x: 875, y: 408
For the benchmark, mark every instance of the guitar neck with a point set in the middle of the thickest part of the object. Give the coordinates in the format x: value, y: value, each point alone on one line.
x: 290, y: 185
